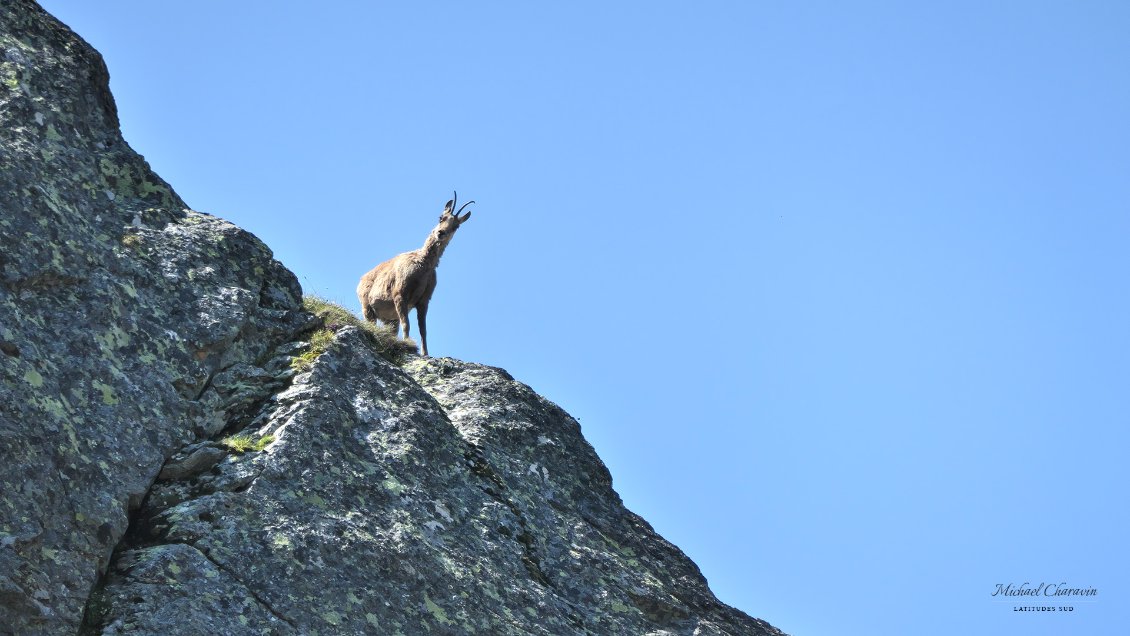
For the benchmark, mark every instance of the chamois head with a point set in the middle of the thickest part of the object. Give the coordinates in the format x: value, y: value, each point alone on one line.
x: 449, y: 221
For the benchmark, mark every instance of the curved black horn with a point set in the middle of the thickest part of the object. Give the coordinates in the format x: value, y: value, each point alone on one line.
x: 464, y: 205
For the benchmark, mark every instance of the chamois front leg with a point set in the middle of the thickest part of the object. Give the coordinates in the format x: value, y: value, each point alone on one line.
x: 402, y: 317
x: 422, y: 320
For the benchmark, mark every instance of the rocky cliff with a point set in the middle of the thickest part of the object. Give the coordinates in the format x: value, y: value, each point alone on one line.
x: 136, y: 337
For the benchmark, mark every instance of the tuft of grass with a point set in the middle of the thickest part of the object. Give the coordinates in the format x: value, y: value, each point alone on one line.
x: 319, y: 341
x: 243, y: 442
x: 334, y: 317
x: 132, y: 241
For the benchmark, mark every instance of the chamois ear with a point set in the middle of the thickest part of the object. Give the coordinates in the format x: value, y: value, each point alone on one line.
x: 466, y: 216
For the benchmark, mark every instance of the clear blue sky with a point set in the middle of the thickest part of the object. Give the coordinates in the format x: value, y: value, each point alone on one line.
x: 837, y: 290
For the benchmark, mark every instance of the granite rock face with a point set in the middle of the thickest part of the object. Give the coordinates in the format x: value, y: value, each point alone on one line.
x: 443, y: 498
x: 117, y: 309
x: 136, y: 336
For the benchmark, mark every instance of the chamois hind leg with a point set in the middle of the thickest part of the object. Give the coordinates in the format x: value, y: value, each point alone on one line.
x: 422, y: 320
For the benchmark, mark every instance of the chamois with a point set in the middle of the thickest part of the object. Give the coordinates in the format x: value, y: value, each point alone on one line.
x: 394, y: 287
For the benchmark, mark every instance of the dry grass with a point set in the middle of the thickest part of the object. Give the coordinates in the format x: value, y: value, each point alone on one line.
x: 335, y: 317
x: 242, y: 443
